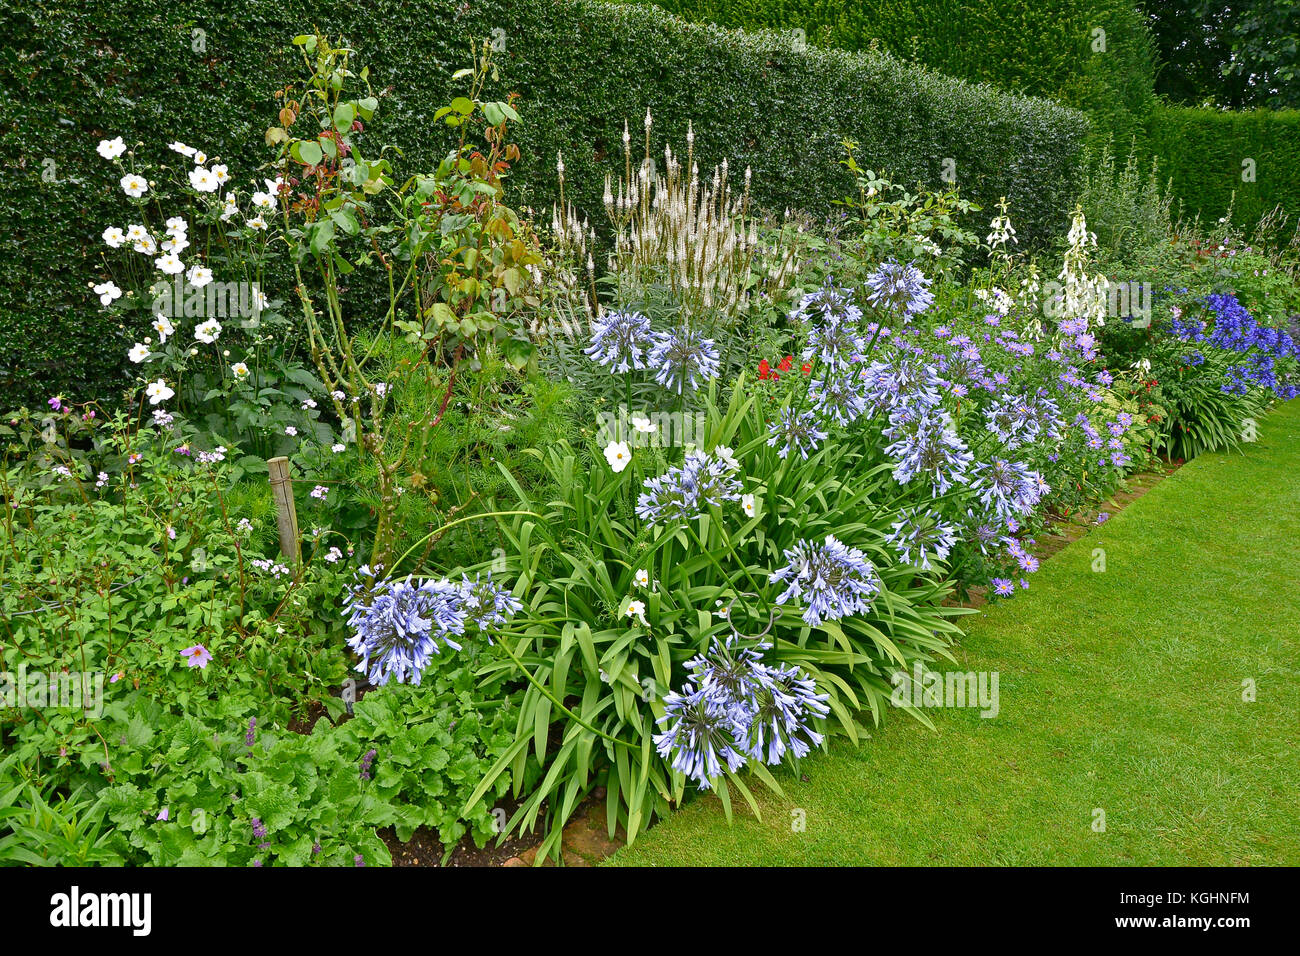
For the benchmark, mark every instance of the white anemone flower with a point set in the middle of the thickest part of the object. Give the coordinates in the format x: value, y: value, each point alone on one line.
x: 221, y: 173
x: 229, y: 208
x: 158, y: 392
x: 163, y: 326
x: 747, y: 503
x: 181, y: 148
x: 145, y: 246
x: 240, y: 370
x: 136, y: 232
x: 111, y: 148
x: 139, y: 352
x: 177, y: 226
x: 107, y: 292
x: 208, y: 332
x: 643, y: 578
x: 202, y: 180
x: 257, y: 222
x: 114, y: 237
x: 133, y: 185
x: 170, y: 264
x: 199, y: 276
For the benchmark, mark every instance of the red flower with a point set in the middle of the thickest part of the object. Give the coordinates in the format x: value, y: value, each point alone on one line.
x: 807, y: 368
x: 764, y: 370
x: 786, y: 363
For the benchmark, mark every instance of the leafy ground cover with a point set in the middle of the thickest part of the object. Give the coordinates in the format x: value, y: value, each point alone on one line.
x: 1120, y: 690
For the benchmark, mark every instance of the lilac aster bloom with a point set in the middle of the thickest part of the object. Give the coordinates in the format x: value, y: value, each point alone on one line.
x: 901, y: 288
x: 1003, y: 587
x: 833, y: 580
x: 683, y: 358
x: 619, y: 340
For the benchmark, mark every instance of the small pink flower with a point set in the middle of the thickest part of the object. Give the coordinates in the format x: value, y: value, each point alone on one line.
x: 198, y: 656
x: 162, y: 815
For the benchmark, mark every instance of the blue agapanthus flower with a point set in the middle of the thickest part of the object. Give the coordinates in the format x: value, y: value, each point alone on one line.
x: 619, y: 340
x: 683, y: 358
x: 919, y: 536
x: 1007, y: 488
x: 784, y: 709
x: 827, y: 305
x: 832, y: 579
x: 901, y: 288
x: 794, y: 430
x: 699, y: 735
x: 839, y: 398
x: 685, y: 493
x: 924, y: 444
x: 735, y: 707
x: 399, y: 625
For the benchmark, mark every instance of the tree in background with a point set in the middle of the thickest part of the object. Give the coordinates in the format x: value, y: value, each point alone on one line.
x: 1235, y: 55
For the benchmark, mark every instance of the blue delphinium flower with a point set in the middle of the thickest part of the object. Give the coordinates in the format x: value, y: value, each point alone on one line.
x: 833, y: 580
x: 699, y: 734
x: 925, y: 444
x: 795, y: 431
x: 924, y: 533
x: 685, y: 493
x: 900, y: 287
x: 398, y: 625
x: 619, y: 340
x: 683, y: 358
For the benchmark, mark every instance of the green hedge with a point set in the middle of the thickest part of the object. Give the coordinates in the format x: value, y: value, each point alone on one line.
x: 1036, y: 47
x: 204, y: 71
x: 1204, y: 150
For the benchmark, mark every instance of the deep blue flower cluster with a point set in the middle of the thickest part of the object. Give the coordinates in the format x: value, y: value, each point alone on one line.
x: 1268, y: 354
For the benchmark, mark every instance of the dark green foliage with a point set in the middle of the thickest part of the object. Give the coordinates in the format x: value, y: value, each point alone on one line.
x: 1203, y: 150
x: 205, y: 72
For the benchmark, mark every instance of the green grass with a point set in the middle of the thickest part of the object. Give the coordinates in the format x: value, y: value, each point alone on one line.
x: 1119, y: 690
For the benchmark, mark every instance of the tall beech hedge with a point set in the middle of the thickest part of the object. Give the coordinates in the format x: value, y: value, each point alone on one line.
x: 204, y: 72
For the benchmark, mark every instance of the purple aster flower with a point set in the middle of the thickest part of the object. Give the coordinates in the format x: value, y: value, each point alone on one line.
x: 1003, y: 587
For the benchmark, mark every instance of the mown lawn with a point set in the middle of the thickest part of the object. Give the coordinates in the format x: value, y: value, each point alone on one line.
x: 1120, y: 691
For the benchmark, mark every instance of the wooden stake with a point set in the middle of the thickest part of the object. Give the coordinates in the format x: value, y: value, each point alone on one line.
x: 286, y: 516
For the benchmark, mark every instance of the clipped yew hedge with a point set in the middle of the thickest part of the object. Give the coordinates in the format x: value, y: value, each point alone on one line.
x: 72, y: 72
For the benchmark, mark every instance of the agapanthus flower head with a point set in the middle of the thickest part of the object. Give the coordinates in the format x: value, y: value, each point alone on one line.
x: 699, y: 735
x: 828, y: 305
x: 686, y: 492
x: 486, y: 606
x: 1008, y: 488
x: 839, y: 398
x: 784, y: 708
x: 900, y: 288
x: 832, y: 579
x: 794, y: 430
x: 619, y: 340
x: 683, y: 359
x: 925, y: 444
x: 920, y: 535
x: 399, y: 624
